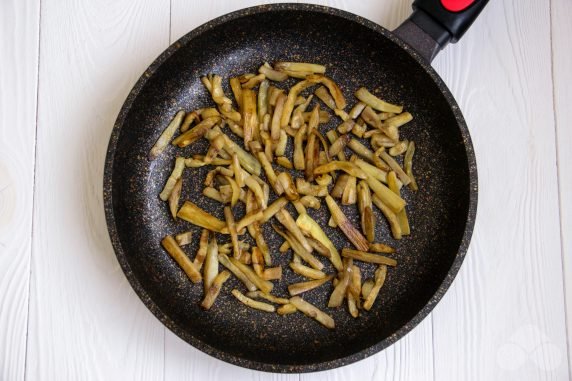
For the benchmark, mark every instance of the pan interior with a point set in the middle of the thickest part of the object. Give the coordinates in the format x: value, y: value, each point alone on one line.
x: 355, y: 56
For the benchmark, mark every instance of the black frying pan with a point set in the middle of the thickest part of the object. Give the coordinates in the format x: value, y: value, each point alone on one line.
x: 357, y: 53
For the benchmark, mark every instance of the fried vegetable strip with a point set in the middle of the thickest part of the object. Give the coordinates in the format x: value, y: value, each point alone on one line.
x: 231, y: 225
x: 173, y: 178
x: 273, y: 208
x: 184, y: 238
x: 394, y: 165
x: 368, y: 98
x: 247, y: 161
x: 338, y: 145
x: 285, y: 218
x: 368, y: 257
x: 390, y: 215
x: 346, y: 166
x: 408, y: 165
x: 312, y: 147
x: 349, y: 195
x: 196, y: 132
x: 308, y: 225
x: 272, y: 273
x: 322, y: 93
x: 393, y: 201
x: 300, y: 67
x: 249, y: 115
x: 214, y: 289
x: 353, y: 293
x: 366, y: 210
x: 289, y: 105
x: 210, y: 269
x: 299, y: 249
x: 253, y: 303
x: 334, y: 89
x: 225, y: 261
x: 380, y: 275
x: 337, y: 297
x: 366, y: 288
x: 174, y: 198
x: 166, y: 135
x: 402, y: 214
x: 298, y: 288
x: 249, y: 218
x: 286, y: 309
x: 313, y: 312
x: 272, y: 74
x: 196, y: 216
x: 346, y: 226
x: 269, y: 297
x: 371, y: 170
x: 263, y: 285
x: 170, y: 245
x: 306, y: 271
x: 202, y: 251
x: 298, y: 157
x: 381, y: 248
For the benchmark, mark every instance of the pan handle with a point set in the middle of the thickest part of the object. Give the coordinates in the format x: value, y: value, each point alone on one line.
x: 435, y: 23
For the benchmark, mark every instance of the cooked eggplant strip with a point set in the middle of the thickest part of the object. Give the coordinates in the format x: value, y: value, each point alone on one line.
x: 270, y: 73
x: 285, y: 184
x: 249, y: 218
x: 349, y: 195
x: 284, y: 162
x: 267, y: 166
x: 338, y: 189
x: 212, y: 293
x: 235, y: 190
x: 224, y: 172
x: 306, y: 271
x: 273, y: 208
x: 300, y: 67
x: 257, y: 261
x: 398, y: 120
x: 170, y: 245
x: 359, y: 128
x: 308, y: 189
x: 332, y: 223
x: 173, y: 178
x: 196, y: 216
x: 371, y: 118
x: 269, y: 297
x: 253, y: 185
x: 346, y: 127
x: 354, y: 291
x: 210, y: 269
x: 174, y: 198
x: 236, y: 129
x: 380, y: 275
x: 356, y: 110
x: 286, y: 309
x: 381, y: 248
x: 408, y: 165
x: 368, y: 98
x: 245, y: 258
x: 249, y: 115
x: 402, y: 214
x: 197, y: 161
x: 166, y: 135
x: 310, y: 202
x: 312, y: 148
x: 346, y: 226
x: 368, y: 257
x: 319, y: 247
x: 337, y: 297
x: 276, y: 117
x: 394, y: 165
x: 301, y: 287
x: 366, y: 210
x: 196, y: 132
x: 284, y: 217
x: 263, y: 285
x: 366, y: 288
x: 248, y: 162
x: 236, y: 89
x: 366, y: 153
x: 372, y: 170
x: 346, y: 166
x: 384, y: 194
x: 254, y: 81
x: 390, y: 215
x: 280, y: 148
x: 231, y: 225
x: 332, y: 136
x: 262, y: 100
x: 284, y: 247
x: 322, y: 93
x: 300, y: 209
x: 334, y: 89
x: 299, y: 249
x: 338, y: 145
x: 226, y: 262
x: 253, y: 303
x: 298, y: 157
x: 202, y: 251
x: 323, y: 116
x: 272, y: 273
x: 184, y: 238
x: 398, y: 148
x: 308, y: 225
x: 292, y: 95
x: 313, y: 312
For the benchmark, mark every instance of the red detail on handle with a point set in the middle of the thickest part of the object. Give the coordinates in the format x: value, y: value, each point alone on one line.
x: 456, y: 5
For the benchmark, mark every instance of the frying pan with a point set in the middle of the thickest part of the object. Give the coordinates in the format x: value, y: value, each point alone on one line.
x: 357, y: 53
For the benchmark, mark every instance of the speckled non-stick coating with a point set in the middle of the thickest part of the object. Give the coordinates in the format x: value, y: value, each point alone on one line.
x: 356, y: 53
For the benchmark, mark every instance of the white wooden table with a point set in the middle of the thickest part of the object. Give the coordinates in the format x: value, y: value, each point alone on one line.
x: 67, y: 311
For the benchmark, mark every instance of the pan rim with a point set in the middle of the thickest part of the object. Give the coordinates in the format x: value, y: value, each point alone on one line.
x: 271, y: 367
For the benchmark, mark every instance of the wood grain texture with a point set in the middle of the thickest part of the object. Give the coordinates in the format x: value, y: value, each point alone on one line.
x: 562, y: 77
x: 19, y: 28
x: 85, y: 320
x: 409, y: 359
x: 504, y: 316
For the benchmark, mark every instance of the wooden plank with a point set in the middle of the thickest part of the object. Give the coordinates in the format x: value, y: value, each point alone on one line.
x: 85, y: 320
x: 19, y: 29
x: 412, y: 357
x: 504, y: 316
x: 562, y: 78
